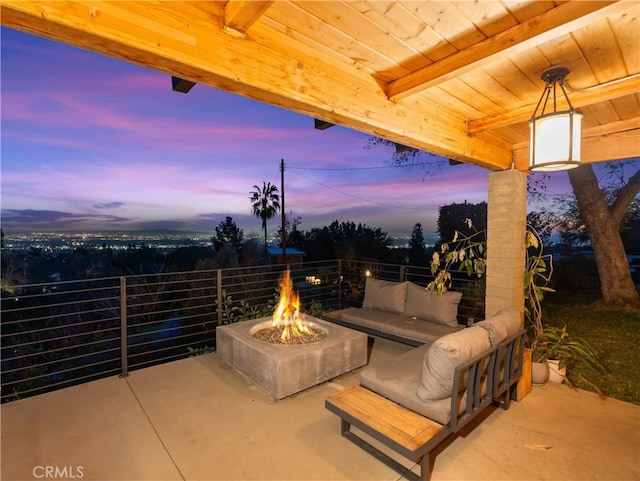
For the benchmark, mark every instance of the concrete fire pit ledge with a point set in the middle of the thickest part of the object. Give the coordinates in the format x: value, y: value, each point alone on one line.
x: 283, y: 370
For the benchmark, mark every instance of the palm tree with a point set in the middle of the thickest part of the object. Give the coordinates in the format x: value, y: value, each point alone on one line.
x: 265, y: 204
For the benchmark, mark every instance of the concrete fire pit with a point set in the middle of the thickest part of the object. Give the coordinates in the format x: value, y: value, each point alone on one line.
x: 283, y: 370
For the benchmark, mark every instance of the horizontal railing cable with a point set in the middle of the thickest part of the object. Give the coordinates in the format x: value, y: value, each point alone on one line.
x: 60, y: 384
x: 71, y: 358
x: 58, y: 334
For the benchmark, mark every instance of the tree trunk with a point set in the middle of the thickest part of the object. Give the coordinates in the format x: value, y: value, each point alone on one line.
x: 603, y: 223
x: 266, y: 249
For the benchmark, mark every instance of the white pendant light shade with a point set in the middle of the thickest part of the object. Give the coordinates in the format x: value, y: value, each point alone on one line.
x: 555, y: 141
x: 555, y: 135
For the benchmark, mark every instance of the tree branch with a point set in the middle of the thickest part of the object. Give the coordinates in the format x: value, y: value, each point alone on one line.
x: 624, y: 198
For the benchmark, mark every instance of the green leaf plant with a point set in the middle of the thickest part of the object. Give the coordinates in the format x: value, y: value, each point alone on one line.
x: 556, y: 343
x: 467, y: 254
x: 537, y: 276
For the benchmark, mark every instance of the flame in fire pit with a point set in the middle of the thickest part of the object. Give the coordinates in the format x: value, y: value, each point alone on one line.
x: 287, y: 312
x: 288, y: 326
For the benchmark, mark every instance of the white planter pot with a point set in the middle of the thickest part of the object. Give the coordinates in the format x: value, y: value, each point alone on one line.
x: 556, y: 373
x: 539, y: 373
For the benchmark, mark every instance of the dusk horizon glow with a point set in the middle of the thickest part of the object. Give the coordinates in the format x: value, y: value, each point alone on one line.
x: 90, y: 143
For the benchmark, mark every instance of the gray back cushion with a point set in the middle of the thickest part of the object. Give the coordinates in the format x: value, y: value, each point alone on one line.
x: 385, y: 295
x: 442, y: 358
x: 438, y: 308
x: 502, y: 324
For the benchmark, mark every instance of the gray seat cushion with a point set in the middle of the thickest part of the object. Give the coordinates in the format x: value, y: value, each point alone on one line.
x: 418, y: 329
x: 397, y: 380
x: 365, y: 317
x: 398, y: 325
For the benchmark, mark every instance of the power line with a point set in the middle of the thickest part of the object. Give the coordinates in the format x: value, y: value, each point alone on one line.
x: 344, y: 168
x: 396, y: 166
x: 358, y: 197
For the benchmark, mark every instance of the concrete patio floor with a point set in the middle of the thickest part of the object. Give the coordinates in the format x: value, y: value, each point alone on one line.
x: 197, y: 419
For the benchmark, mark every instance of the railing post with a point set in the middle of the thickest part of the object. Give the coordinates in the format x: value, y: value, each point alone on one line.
x: 123, y: 327
x: 339, y: 284
x: 219, y: 294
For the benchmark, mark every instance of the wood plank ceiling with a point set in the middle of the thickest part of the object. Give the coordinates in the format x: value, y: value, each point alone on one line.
x: 460, y: 79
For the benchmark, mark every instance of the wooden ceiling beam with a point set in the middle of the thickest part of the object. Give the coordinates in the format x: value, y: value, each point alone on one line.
x: 554, y: 23
x: 184, y: 39
x: 578, y: 100
x: 239, y: 15
x: 613, y: 127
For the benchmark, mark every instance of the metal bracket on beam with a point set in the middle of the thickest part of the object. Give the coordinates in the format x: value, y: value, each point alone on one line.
x: 321, y: 124
x: 403, y: 148
x: 181, y: 85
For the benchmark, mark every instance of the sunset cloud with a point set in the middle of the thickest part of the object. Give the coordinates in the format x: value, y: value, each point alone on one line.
x: 89, y: 142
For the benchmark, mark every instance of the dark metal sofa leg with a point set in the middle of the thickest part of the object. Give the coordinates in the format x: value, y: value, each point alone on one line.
x: 507, y: 399
x: 425, y: 466
x: 514, y: 391
x: 344, y: 426
x: 376, y: 453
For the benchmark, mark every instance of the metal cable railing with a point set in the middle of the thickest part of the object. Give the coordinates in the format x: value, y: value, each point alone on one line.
x: 59, y: 334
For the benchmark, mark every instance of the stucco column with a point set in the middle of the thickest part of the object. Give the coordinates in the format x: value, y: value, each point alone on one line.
x: 506, y: 228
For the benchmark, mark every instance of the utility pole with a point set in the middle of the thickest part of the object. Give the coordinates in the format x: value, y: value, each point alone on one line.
x: 282, y: 213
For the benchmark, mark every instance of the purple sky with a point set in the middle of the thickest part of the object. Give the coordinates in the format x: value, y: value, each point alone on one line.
x: 91, y: 143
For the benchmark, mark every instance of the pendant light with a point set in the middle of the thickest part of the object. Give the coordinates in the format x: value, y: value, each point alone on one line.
x: 555, y: 135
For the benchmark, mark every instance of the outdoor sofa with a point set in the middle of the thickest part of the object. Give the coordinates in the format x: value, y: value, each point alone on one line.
x: 403, y: 312
x: 414, y: 402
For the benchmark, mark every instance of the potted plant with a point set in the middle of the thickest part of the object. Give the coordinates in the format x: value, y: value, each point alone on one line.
x: 467, y: 254
x: 537, y: 276
x: 555, y: 344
